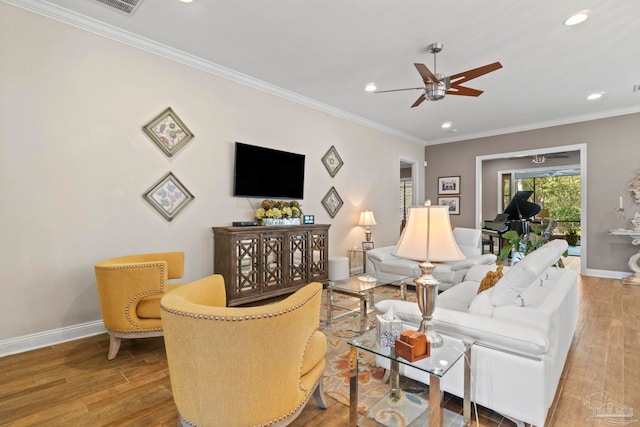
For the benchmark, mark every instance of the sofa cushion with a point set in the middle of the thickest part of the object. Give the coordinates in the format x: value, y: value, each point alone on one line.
x: 401, y: 266
x: 458, y: 297
x: 525, y: 272
x: 481, y: 304
x: 506, y: 334
x: 382, y: 254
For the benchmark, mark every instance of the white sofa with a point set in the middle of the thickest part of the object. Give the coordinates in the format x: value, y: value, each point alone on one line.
x: 449, y: 273
x: 523, y: 328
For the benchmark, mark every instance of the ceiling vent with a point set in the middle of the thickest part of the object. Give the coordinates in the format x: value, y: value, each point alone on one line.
x: 127, y: 7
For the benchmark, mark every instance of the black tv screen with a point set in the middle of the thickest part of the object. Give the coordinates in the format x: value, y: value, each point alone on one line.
x: 269, y: 173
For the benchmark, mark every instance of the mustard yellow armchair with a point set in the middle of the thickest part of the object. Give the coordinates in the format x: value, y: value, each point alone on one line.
x: 130, y: 288
x: 242, y: 366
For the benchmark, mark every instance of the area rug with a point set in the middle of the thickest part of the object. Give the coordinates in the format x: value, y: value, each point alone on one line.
x: 413, y: 400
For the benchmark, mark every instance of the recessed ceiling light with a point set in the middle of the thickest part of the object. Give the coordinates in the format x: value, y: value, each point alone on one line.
x: 370, y: 87
x: 577, y: 18
x: 446, y: 125
x: 185, y: 1
x: 596, y: 95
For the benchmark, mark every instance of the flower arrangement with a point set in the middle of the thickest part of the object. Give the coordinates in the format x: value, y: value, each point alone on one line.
x: 279, y: 209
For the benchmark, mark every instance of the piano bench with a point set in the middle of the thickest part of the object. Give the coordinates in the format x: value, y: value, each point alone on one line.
x: 487, y: 242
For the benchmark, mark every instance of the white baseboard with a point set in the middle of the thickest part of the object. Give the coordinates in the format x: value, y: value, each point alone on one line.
x: 607, y: 274
x: 74, y: 332
x: 51, y: 337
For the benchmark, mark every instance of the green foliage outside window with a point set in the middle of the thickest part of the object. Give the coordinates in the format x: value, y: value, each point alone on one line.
x: 559, y: 194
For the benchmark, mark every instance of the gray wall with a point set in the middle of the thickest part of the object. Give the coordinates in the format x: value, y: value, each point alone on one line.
x: 612, y: 161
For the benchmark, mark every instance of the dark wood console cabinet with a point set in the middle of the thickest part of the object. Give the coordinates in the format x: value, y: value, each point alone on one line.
x: 262, y: 262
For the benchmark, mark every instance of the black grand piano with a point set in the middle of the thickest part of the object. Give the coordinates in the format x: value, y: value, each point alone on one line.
x: 516, y: 216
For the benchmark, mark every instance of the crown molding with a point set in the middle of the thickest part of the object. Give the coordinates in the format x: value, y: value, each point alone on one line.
x: 67, y: 16
x: 540, y: 125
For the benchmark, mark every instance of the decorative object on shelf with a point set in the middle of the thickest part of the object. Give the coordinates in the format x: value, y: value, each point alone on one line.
x: 634, y: 187
x: 449, y: 185
x: 453, y: 203
x: 635, y: 221
x: 428, y: 237
x: 169, y: 196
x: 367, y: 220
x: 332, y: 202
x: 367, y: 246
x: 621, y: 208
x: 309, y: 219
x: 168, y: 132
x: 280, y: 221
x: 279, y: 212
x: 332, y: 161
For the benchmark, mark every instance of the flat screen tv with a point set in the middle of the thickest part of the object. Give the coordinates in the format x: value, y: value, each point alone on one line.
x: 269, y: 173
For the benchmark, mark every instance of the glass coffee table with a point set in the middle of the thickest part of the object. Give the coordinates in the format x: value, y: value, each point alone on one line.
x: 436, y: 366
x: 362, y: 290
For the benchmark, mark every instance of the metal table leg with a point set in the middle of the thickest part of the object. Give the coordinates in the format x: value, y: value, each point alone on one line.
x: 364, y: 307
x: 329, y: 304
x: 353, y: 386
x: 435, y: 401
x: 466, y: 406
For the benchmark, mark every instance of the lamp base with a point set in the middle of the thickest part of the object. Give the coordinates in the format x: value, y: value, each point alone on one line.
x: 427, y: 293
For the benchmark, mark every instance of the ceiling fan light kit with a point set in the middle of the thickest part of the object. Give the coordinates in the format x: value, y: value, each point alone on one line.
x: 437, y: 85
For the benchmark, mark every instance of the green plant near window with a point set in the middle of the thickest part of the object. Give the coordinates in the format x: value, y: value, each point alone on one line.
x: 517, y: 243
x: 571, y: 235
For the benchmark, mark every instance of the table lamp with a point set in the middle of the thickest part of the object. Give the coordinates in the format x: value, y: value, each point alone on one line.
x: 367, y: 220
x: 428, y: 237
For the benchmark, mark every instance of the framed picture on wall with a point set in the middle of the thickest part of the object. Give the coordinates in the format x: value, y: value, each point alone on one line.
x: 168, y: 132
x: 449, y: 185
x: 168, y: 196
x: 452, y: 202
x: 332, y: 202
x: 332, y: 161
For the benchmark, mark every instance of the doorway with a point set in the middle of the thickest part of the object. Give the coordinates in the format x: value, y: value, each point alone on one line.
x: 489, y: 185
x: 408, y: 189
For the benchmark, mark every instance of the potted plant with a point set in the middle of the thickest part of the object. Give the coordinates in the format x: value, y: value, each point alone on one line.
x: 571, y: 235
x: 518, y: 245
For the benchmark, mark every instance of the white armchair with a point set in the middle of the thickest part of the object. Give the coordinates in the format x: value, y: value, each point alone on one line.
x: 449, y: 273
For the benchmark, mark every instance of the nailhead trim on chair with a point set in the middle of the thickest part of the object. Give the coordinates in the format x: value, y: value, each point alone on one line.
x: 236, y: 318
x: 252, y: 317
x: 144, y: 294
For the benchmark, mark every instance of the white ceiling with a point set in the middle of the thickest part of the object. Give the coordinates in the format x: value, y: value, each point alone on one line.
x: 323, y: 52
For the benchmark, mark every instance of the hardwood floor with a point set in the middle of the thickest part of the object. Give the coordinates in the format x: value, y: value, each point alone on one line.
x: 73, y: 384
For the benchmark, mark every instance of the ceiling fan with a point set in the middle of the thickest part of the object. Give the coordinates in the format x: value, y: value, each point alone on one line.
x: 541, y: 158
x: 437, y: 85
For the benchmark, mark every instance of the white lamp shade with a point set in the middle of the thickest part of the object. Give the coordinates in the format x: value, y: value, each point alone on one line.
x: 367, y: 218
x: 428, y: 236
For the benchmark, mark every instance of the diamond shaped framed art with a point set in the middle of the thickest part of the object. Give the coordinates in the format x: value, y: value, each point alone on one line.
x: 168, y: 132
x: 168, y: 196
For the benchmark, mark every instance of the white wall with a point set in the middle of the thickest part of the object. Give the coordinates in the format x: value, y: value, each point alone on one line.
x: 74, y: 164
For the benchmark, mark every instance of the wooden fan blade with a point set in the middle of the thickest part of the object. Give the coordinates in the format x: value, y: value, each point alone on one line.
x: 426, y: 74
x: 464, y: 91
x: 398, y: 90
x: 419, y: 101
x: 465, y: 76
